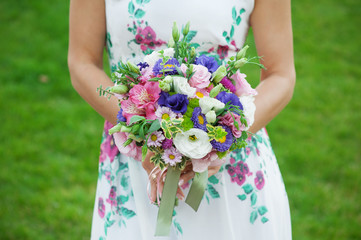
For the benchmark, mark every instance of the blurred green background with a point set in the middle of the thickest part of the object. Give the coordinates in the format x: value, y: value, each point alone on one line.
x: 49, y: 137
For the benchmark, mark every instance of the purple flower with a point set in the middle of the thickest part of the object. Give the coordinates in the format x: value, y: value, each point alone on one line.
x: 224, y: 143
x: 229, y: 97
x: 168, y: 68
x: 259, y: 180
x: 156, y: 138
x: 120, y: 117
x: 228, y: 84
x: 177, y: 102
x: 142, y: 65
x: 167, y: 143
x: 208, y: 62
x: 171, y: 156
x: 199, y: 119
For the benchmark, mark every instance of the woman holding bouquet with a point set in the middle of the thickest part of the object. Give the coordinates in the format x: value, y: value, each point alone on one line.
x: 245, y: 197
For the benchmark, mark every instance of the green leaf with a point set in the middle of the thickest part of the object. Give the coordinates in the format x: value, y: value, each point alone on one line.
x: 238, y: 21
x: 213, y: 179
x: 264, y: 219
x: 146, y: 1
x: 154, y: 126
x: 124, y: 182
x: 224, y: 33
x: 253, y: 199
x: 247, y: 188
x: 139, y: 13
x: 253, y: 217
x: 234, y: 13
x: 122, y: 199
x: 139, y: 1
x: 212, y: 191
x: 144, y: 151
x: 191, y: 35
x: 136, y: 118
x: 131, y: 7
x: 179, y: 228
x: 127, y: 213
x: 262, y: 210
x: 241, y: 11
x: 232, y: 31
x: 242, y: 197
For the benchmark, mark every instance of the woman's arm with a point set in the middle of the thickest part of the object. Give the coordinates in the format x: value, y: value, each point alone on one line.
x: 87, y: 33
x: 272, y: 29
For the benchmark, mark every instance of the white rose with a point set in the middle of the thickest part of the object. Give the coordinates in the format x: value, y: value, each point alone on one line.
x: 249, y: 108
x: 210, y: 104
x: 193, y: 143
x: 182, y: 86
x: 152, y: 58
x: 211, y: 116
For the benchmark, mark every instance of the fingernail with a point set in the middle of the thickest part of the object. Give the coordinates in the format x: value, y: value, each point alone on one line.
x: 180, y: 183
x: 163, y: 178
x: 180, y: 196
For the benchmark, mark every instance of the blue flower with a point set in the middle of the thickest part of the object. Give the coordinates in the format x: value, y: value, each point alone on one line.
x: 142, y: 65
x: 208, y: 62
x: 199, y: 119
x: 229, y: 97
x: 225, y: 143
x: 120, y: 117
x: 177, y: 102
x: 169, y: 67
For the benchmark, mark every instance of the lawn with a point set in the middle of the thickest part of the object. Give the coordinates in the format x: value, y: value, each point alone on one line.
x: 50, y: 137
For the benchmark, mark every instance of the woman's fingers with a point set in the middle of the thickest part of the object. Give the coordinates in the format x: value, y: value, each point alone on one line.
x: 213, y: 170
x: 185, y: 177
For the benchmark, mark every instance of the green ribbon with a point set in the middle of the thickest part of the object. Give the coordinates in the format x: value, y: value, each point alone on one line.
x: 197, y: 190
x: 165, y: 212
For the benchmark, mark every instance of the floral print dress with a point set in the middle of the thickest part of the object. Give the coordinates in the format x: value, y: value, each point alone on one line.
x: 246, y: 199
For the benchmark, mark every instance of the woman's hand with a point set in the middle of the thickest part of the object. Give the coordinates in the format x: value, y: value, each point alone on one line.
x: 188, y: 173
x: 154, y: 173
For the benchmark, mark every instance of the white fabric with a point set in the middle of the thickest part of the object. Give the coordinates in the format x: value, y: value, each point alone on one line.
x: 246, y: 200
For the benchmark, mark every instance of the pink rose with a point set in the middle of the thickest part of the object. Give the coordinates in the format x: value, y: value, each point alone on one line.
x: 200, y: 78
x: 242, y: 86
x: 228, y: 121
x: 132, y: 150
x: 211, y: 159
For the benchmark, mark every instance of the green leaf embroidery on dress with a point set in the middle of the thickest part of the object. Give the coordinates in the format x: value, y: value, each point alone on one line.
x: 237, y: 19
x: 247, y: 188
x: 127, y: 213
x: 139, y: 13
x: 242, y: 197
x: 212, y: 191
x: 262, y: 210
x: 253, y: 217
x: 131, y: 7
x: 253, y: 199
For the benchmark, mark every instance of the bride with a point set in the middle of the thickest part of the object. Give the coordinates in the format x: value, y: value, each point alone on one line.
x: 245, y: 198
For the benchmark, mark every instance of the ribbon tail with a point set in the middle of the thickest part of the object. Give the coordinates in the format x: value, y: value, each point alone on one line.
x: 165, y: 212
x: 197, y: 190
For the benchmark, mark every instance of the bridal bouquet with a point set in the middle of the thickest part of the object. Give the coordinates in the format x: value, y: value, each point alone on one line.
x: 184, y: 108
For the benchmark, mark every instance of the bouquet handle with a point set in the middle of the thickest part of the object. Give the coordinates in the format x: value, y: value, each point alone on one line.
x: 197, y: 190
x: 165, y: 212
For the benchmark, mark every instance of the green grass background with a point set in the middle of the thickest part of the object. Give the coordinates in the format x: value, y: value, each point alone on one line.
x: 49, y: 137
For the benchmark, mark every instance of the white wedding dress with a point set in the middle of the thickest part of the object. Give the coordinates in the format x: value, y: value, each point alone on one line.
x: 247, y: 198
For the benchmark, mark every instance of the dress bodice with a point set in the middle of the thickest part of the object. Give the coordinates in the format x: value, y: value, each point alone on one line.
x: 137, y: 27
